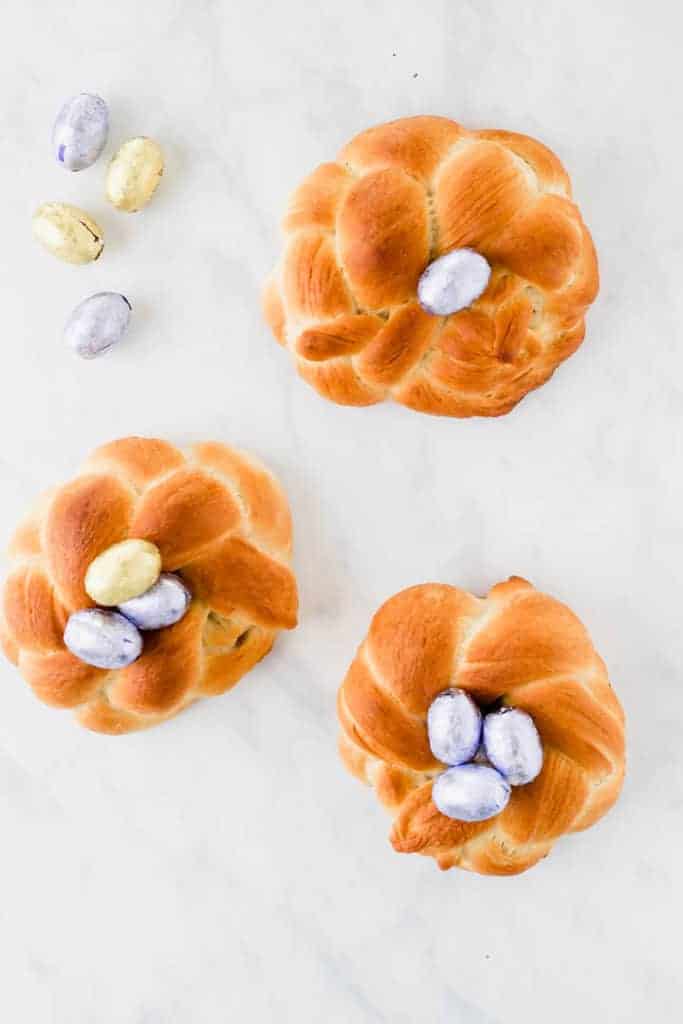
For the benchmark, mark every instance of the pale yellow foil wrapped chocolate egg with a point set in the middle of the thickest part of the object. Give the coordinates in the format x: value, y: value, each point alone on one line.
x: 123, y: 571
x: 134, y: 174
x: 68, y: 233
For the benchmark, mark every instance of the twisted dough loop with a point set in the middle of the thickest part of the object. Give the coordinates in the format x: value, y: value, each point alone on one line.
x: 516, y: 646
x: 217, y: 516
x: 360, y: 232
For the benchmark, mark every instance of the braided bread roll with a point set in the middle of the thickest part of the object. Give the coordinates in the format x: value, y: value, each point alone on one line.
x: 218, y: 517
x: 516, y: 646
x: 359, y: 232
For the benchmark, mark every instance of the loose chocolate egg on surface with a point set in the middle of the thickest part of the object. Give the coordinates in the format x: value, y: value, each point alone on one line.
x: 97, y: 324
x: 80, y: 131
x: 68, y: 232
x: 134, y: 174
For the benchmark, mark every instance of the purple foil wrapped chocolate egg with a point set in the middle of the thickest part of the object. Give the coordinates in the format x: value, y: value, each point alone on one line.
x: 453, y: 727
x: 470, y: 792
x: 453, y: 281
x: 80, y: 131
x: 164, y: 603
x: 102, y: 638
x: 513, y: 745
x: 97, y: 324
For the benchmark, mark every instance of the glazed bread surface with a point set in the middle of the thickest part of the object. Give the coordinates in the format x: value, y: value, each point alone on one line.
x: 517, y: 647
x: 219, y: 519
x: 360, y: 231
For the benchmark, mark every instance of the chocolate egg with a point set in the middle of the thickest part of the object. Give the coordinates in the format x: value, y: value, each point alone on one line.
x: 470, y: 792
x: 101, y: 638
x: 453, y: 727
x: 123, y: 571
x: 67, y: 232
x: 97, y: 324
x: 134, y: 174
x: 80, y: 131
x: 164, y: 603
x: 513, y: 745
x: 453, y: 281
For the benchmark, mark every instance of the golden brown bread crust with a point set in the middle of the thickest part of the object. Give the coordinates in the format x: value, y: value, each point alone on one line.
x: 516, y: 646
x: 218, y: 517
x: 359, y: 233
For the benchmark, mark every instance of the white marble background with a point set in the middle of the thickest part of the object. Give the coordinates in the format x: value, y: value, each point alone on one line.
x: 223, y: 867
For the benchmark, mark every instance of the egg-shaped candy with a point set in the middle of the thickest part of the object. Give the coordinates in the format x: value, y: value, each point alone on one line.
x: 470, y: 792
x: 164, y: 603
x: 453, y: 282
x: 68, y: 233
x: 123, y: 571
x: 513, y: 745
x: 97, y: 324
x: 101, y: 638
x: 134, y: 174
x: 80, y: 131
x: 453, y: 727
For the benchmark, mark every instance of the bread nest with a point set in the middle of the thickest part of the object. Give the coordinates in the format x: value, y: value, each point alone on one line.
x: 359, y: 232
x: 516, y: 646
x: 219, y: 519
